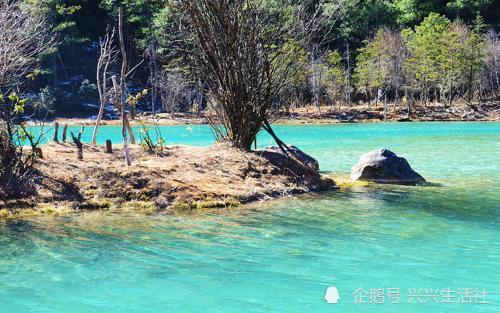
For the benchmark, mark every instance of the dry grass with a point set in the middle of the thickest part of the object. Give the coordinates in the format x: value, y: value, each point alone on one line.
x: 176, y: 179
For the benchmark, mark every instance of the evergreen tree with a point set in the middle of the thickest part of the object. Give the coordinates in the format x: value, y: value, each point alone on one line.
x: 427, y: 54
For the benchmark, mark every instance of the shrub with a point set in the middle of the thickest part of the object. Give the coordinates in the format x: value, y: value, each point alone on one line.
x: 15, y: 163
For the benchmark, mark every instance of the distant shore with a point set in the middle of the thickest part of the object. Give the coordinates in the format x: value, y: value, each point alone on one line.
x: 328, y: 115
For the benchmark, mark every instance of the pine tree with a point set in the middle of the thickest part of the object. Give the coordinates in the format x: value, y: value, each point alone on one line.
x: 426, y: 47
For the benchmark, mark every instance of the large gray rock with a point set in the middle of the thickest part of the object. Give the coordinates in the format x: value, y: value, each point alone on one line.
x: 301, y: 155
x: 384, y: 166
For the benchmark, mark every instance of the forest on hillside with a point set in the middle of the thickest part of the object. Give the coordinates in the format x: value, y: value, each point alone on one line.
x: 361, y: 51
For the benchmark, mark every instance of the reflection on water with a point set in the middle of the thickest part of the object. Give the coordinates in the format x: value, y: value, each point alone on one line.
x: 280, y: 256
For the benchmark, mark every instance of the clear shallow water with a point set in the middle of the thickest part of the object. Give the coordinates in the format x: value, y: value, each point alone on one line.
x: 280, y: 256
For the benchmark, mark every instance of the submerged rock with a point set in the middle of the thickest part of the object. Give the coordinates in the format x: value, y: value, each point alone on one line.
x: 301, y: 155
x: 384, y: 166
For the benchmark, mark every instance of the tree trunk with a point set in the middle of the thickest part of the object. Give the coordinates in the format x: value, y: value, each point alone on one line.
x: 65, y: 131
x: 129, y: 129
x: 101, y: 102
x: 119, y: 91
x: 109, y: 146
x: 56, y: 132
x: 385, y: 106
x: 79, y: 154
x: 78, y: 143
x: 96, y: 128
x: 106, y: 57
x: 38, y: 152
x: 471, y: 77
x: 124, y: 126
x: 153, y: 75
x: 450, y: 93
x: 409, y: 97
x: 396, y: 99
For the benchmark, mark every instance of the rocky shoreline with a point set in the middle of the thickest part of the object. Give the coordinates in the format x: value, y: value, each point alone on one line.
x: 331, y: 115
x: 360, y: 114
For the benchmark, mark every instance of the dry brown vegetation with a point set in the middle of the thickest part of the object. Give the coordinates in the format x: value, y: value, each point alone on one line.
x: 177, y: 179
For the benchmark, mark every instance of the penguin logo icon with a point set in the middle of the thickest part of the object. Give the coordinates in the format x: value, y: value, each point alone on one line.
x: 332, y: 295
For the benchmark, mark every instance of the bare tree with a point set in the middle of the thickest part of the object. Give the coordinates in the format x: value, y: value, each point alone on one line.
x: 246, y: 56
x: 174, y: 90
x: 317, y: 74
x: 120, y: 89
x: 397, y: 54
x: 153, y: 75
x: 23, y: 37
x: 107, y: 57
x: 118, y: 96
x: 348, y: 72
x: 491, y: 72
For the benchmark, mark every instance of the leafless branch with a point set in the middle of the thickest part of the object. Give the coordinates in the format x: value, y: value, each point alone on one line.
x: 24, y: 36
x: 247, y: 56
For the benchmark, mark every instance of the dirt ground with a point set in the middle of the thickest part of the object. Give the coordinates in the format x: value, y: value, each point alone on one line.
x: 176, y: 179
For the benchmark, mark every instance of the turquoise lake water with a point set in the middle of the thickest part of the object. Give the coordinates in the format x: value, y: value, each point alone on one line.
x: 280, y: 256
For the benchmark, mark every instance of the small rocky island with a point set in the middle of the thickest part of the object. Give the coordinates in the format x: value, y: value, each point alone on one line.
x: 384, y: 166
x: 176, y: 179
